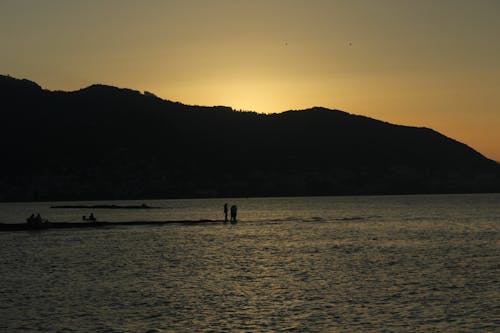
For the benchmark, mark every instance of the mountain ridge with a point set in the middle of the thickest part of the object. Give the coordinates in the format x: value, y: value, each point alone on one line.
x: 104, y: 142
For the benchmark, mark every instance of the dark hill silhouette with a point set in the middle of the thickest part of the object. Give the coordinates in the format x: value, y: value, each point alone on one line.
x: 103, y: 142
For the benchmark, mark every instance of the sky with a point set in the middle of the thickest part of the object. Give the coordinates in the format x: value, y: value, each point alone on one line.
x: 430, y: 63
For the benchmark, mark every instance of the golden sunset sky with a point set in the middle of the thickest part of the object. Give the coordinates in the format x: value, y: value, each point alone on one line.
x: 419, y: 63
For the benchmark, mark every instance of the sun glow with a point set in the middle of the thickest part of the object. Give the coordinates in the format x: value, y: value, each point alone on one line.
x: 415, y: 63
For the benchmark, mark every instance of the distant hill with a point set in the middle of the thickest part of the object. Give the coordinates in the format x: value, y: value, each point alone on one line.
x: 103, y: 142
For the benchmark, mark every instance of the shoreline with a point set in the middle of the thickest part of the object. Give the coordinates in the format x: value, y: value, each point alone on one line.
x: 143, y: 206
x: 82, y: 225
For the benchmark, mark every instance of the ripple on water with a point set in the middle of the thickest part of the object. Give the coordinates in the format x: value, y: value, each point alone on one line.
x: 321, y: 275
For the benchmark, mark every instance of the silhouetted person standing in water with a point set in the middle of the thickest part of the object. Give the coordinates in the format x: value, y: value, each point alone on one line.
x: 225, y: 213
x: 234, y: 210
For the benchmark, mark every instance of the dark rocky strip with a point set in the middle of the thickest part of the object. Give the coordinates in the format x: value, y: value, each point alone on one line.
x: 143, y: 206
x: 78, y: 225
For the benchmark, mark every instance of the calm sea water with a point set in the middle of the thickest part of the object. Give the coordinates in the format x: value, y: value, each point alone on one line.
x: 336, y: 264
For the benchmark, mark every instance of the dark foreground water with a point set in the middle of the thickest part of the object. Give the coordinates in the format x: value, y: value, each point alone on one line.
x: 348, y: 264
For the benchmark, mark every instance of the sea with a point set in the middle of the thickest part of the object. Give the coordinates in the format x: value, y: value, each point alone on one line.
x: 416, y: 263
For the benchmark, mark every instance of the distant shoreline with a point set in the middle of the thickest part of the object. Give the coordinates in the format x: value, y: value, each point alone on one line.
x: 99, y: 199
x: 143, y: 206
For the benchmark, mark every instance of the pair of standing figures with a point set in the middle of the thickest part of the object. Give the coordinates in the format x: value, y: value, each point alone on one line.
x: 234, y: 210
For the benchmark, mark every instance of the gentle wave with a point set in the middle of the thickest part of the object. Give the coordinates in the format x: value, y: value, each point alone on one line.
x: 297, y: 265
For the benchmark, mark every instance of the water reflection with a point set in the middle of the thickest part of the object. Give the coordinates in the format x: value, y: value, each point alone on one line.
x: 369, y: 275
